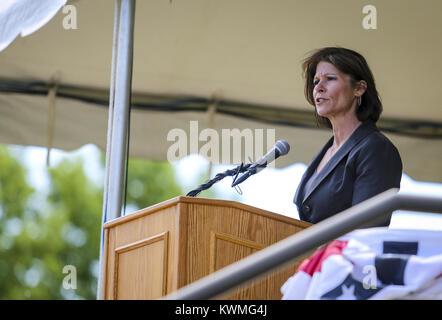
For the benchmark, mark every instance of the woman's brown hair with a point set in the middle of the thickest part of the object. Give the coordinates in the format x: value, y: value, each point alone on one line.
x: 353, y: 64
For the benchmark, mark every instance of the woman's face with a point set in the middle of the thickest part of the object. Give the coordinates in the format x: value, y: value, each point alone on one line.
x: 333, y: 93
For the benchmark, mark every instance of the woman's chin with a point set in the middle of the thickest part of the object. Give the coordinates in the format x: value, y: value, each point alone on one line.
x: 322, y: 113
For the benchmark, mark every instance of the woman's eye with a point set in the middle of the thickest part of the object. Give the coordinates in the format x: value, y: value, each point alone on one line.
x: 315, y: 82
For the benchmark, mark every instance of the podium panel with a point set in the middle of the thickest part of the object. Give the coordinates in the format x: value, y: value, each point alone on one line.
x: 137, y: 274
x: 157, y: 250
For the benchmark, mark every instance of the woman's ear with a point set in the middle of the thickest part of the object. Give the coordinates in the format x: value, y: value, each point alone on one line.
x: 360, y: 88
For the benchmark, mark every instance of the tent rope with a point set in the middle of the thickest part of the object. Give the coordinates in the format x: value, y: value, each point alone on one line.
x: 52, y: 95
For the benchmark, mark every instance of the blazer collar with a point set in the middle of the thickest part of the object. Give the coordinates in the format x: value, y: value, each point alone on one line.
x: 361, y: 132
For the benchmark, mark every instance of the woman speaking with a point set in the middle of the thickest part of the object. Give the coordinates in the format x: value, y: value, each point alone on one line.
x: 358, y: 161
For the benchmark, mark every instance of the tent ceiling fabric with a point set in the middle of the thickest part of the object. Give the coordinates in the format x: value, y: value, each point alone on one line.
x: 23, y: 17
x: 246, y: 51
x: 80, y: 122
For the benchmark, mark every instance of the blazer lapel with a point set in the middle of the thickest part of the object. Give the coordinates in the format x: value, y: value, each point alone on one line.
x: 361, y: 132
x: 311, y: 168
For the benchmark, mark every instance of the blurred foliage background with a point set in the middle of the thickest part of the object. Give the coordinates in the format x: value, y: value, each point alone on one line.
x: 41, y: 232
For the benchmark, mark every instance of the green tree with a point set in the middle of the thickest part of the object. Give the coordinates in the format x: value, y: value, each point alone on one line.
x: 150, y: 182
x: 14, y: 196
x: 44, y: 234
x: 76, y: 215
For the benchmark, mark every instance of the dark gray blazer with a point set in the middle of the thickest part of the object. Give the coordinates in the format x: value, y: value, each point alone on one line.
x: 365, y: 165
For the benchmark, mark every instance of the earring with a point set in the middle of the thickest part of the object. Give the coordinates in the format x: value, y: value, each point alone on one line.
x: 359, y: 101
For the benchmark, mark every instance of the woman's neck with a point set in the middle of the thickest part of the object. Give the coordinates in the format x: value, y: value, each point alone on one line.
x: 342, y: 130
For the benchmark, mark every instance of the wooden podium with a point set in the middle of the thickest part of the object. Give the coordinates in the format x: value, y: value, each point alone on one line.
x: 157, y: 250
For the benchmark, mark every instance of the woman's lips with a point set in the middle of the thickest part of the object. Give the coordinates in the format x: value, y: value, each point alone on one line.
x: 320, y: 101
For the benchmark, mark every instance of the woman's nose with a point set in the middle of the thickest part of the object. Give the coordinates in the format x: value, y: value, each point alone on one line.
x: 320, y: 87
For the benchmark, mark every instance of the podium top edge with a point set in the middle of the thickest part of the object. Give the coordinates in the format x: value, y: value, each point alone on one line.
x: 204, y: 201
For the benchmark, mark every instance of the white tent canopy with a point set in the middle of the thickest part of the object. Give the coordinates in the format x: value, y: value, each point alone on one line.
x: 241, y: 57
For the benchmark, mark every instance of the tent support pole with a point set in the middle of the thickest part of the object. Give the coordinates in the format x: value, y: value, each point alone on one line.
x: 119, y: 104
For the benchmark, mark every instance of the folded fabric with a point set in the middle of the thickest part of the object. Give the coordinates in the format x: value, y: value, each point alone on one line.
x: 25, y: 17
x: 377, y: 263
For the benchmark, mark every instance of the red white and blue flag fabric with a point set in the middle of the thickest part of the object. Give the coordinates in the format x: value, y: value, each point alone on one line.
x: 376, y: 263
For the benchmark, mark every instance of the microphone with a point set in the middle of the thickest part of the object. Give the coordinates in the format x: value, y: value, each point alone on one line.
x: 280, y: 148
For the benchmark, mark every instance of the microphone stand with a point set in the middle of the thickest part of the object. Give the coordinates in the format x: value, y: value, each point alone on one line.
x: 231, y: 172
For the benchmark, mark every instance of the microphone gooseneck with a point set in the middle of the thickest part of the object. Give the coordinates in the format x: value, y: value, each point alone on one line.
x: 281, y: 148
x: 231, y: 172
